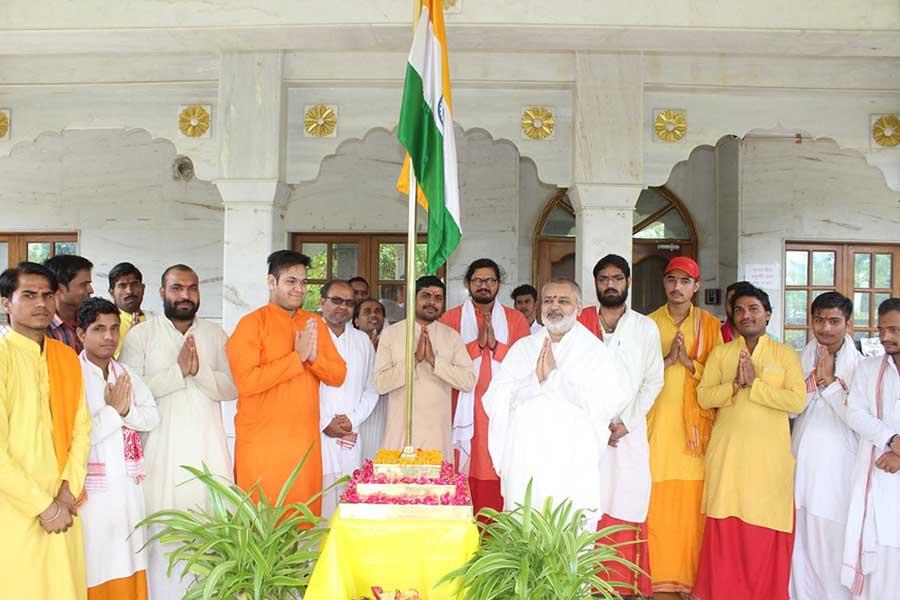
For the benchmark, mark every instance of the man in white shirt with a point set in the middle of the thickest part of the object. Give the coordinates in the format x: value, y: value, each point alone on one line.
x: 825, y: 448
x: 634, y: 340
x: 121, y: 408
x: 343, y: 409
x: 871, y: 563
x: 182, y: 360
x: 548, y: 425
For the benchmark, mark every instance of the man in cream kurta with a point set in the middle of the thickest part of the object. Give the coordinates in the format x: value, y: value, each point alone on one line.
x: 871, y: 563
x: 441, y: 364
x: 182, y: 360
x: 41, y: 548
x: 548, y: 424
x: 825, y: 448
x: 352, y: 401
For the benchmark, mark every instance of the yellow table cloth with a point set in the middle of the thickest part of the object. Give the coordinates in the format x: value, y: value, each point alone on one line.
x: 392, y: 554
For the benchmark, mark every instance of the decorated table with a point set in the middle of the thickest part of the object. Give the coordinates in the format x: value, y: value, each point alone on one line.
x: 398, y: 527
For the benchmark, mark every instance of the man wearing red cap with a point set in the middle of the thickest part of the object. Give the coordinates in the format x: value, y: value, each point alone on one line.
x: 679, y: 431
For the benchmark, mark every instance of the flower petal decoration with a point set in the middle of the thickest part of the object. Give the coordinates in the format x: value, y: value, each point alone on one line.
x: 670, y: 125
x: 538, y: 122
x: 320, y: 121
x: 194, y: 120
x: 886, y: 131
x: 4, y: 124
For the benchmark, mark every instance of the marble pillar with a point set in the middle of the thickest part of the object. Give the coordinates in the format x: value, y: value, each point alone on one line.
x: 608, y: 157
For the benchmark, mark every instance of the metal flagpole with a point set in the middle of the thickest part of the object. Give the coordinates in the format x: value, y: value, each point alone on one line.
x: 409, y: 451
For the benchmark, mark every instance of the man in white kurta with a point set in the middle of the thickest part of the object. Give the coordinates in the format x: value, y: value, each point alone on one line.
x: 825, y: 448
x: 182, y: 360
x: 871, y: 563
x: 121, y: 408
x: 350, y: 404
x: 548, y: 423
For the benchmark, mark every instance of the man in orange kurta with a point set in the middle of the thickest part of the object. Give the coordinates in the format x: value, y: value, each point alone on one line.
x: 488, y: 329
x: 279, y: 354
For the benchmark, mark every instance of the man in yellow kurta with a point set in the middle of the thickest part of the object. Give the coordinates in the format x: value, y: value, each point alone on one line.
x: 748, y: 497
x: 678, y: 431
x: 44, y: 444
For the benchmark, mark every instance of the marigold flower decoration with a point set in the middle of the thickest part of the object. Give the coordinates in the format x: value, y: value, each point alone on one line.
x: 193, y: 121
x: 670, y: 125
x: 538, y: 122
x: 320, y: 120
x: 886, y: 131
x: 4, y: 124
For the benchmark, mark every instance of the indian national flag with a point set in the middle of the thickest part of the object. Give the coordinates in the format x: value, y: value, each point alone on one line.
x: 426, y: 130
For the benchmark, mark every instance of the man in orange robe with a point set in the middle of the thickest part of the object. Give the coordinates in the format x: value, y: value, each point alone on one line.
x: 488, y: 330
x: 678, y: 432
x: 279, y: 354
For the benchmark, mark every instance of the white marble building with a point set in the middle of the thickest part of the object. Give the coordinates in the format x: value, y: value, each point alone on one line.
x: 780, y: 102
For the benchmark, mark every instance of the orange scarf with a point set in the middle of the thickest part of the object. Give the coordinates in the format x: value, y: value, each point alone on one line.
x: 64, y: 370
x: 698, y: 421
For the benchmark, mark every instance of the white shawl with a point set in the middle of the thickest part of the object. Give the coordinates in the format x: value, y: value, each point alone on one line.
x: 464, y: 420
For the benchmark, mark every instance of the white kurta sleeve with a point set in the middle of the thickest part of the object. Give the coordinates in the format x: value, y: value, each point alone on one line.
x: 105, y: 423
x: 369, y: 397
x: 144, y: 414
x: 214, y: 376
x: 134, y: 355
x: 653, y: 377
x: 860, y: 418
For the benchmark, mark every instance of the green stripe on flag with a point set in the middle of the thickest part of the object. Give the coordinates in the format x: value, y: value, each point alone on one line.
x: 423, y: 140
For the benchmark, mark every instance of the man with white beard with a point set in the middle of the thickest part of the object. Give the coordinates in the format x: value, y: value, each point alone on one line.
x: 548, y: 424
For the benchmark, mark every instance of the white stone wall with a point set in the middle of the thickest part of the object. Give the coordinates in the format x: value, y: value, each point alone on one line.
x: 116, y: 190
x: 813, y: 191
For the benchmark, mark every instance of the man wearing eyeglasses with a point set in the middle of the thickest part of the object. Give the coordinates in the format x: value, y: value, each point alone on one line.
x: 342, y: 409
x: 279, y: 355
x: 625, y: 470
x: 488, y: 329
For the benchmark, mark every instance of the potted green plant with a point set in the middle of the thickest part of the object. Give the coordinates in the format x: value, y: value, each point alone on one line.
x: 540, y: 554
x: 242, y: 549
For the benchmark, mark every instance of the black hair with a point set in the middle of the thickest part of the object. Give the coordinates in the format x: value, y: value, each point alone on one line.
x: 523, y: 290
x: 736, y: 285
x: 612, y: 260
x: 91, y: 308
x: 326, y: 287
x: 9, y: 279
x: 751, y: 291
x: 429, y: 281
x: 482, y: 263
x: 67, y: 266
x: 358, y: 278
x: 358, y: 308
x: 281, y: 260
x: 178, y: 267
x: 888, y: 305
x: 833, y: 300
x: 121, y: 270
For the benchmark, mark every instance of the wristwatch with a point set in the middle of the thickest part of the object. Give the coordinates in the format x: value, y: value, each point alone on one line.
x: 891, y: 440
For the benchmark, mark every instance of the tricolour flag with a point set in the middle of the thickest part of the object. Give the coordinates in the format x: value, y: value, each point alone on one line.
x: 426, y: 130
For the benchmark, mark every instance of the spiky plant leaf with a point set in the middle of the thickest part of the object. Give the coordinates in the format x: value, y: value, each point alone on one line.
x: 540, y: 553
x: 241, y: 548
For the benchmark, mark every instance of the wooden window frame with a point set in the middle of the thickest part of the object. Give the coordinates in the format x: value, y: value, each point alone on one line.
x: 844, y: 280
x: 18, y: 243
x: 368, y: 253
